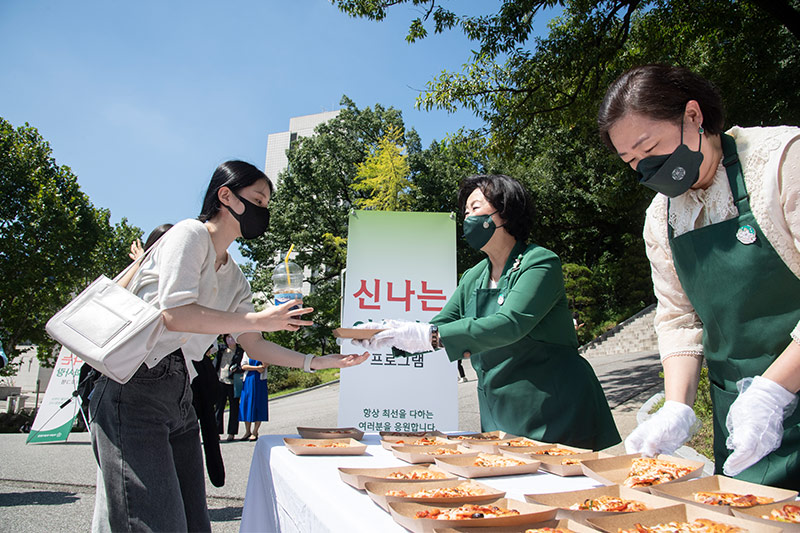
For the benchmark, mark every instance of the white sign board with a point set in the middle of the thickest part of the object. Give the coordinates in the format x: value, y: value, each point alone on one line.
x: 400, y: 266
x: 54, y: 419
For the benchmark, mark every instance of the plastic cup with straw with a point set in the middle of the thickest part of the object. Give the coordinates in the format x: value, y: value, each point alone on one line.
x: 287, y: 281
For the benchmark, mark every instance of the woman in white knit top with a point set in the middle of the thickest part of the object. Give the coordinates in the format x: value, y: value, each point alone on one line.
x: 723, y: 239
x: 145, y: 432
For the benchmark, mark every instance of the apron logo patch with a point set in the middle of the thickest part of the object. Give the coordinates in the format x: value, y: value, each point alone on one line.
x: 746, y: 234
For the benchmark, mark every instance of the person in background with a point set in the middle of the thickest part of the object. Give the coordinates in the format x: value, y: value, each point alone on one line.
x: 509, y: 315
x: 254, y: 403
x: 205, y: 391
x: 462, y: 376
x: 144, y: 432
x: 723, y: 239
x: 227, y: 362
x: 575, y: 322
x: 137, y: 251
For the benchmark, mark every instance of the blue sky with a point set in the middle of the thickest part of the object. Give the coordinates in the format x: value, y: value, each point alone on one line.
x: 144, y: 99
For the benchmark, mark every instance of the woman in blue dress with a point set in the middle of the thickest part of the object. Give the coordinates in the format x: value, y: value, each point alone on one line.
x: 253, y: 406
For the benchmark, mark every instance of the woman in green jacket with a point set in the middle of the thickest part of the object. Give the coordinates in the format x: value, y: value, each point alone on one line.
x: 509, y: 315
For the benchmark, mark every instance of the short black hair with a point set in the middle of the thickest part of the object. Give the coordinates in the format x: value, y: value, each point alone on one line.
x: 660, y: 92
x: 235, y: 175
x: 507, y: 195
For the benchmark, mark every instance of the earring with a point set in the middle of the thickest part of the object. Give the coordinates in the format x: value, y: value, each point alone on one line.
x: 701, y: 130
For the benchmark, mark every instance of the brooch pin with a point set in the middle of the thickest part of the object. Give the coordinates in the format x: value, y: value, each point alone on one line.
x: 500, y: 300
x: 746, y: 234
x: 516, y: 264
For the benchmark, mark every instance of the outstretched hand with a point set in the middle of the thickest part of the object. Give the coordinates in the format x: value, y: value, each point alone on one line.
x: 338, y: 360
x: 283, y: 317
x: 411, y: 337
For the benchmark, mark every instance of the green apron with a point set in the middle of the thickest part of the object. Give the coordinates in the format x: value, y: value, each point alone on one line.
x: 747, y: 299
x: 542, y: 390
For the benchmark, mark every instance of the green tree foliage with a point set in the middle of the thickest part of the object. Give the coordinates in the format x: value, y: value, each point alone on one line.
x: 539, y: 98
x: 383, y: 176
x: 748, y: 47
x: 436, y: 173
x: 52, y: 239
x: 311, y: 207
x: 110, y: 256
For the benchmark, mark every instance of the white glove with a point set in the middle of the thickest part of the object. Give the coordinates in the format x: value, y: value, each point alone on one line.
x: 664, y: 432
x: 755, y: 422
x: 411, y: 337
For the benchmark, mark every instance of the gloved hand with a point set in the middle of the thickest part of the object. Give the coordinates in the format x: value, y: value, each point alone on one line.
x: 755, y: 422
x: 411, y: 337
x: 664, y: 432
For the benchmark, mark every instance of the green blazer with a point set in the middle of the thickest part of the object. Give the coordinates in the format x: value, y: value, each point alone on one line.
x: 522, y: 345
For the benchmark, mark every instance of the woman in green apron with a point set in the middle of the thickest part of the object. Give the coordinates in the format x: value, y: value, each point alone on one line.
x: 723, y: 239
x: 509, y: 315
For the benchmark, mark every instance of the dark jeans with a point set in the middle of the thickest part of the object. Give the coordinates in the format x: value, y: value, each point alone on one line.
x: 145, y: 438
x: 227, y: 396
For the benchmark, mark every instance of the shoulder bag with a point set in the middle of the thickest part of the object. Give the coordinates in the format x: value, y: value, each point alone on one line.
x: 109, y: 327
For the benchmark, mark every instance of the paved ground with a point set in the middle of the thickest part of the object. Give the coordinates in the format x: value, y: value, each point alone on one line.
x: 50, y: 487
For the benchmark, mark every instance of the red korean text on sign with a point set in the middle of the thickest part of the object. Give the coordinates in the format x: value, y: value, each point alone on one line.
x: 431, y: 294
x: 375, y: 295
x: 404, y: 298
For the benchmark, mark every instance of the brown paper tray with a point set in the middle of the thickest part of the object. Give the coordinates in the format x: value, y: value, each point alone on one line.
x: 496, y: 446
x: 535, y: 451
x: 300, y: 447
x: 377, y: 491
x: 388, y: 435
x: 462, y: 466
x: 755, y: 513
x: 353, y: 333
x: 487, y: 437
x: 614, y: 470
x: 564, y: 500
x: 358, y: 477
x: 403, y: 513
x: 675, y: 513
x: 683, y: 491
x: 330, y: 433
x: 390, y: 442
x: 552, y: 463
x: 513, y: 445
x: 419, y: 454
x: 569, y: 525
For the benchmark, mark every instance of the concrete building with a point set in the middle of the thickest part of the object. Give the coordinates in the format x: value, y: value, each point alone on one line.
x: 278, y: 143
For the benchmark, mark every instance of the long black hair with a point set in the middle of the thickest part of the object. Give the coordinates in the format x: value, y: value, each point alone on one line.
x: 235, y: 175
x: 507, y: 195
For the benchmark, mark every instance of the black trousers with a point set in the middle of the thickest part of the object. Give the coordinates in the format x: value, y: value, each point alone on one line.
x: 227, y: 396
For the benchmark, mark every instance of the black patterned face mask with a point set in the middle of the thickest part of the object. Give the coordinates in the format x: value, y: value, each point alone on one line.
x: 672, y: 174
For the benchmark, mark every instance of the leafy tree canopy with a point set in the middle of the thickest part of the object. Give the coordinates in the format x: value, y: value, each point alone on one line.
x: 53, y: 241
x: 539, y: 98
x: 384, y: 175
x: 749, y: 48
x: 322, y: 184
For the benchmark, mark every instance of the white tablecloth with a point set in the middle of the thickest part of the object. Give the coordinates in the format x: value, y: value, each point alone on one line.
x: 289, y: 493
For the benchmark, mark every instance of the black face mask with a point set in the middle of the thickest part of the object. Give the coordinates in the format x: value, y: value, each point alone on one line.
x: 672, y: 174
x: 254, y: 220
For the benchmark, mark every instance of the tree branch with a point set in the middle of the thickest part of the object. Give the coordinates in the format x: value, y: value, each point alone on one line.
x: 783, y: 12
